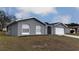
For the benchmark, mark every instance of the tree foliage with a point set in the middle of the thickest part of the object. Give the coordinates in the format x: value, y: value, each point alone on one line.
x: 73, y: 24
x: 5, y: 19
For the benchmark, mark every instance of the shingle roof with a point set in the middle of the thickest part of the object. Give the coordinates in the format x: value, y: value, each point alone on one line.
x: 25, y: 20
x: 59, y: 23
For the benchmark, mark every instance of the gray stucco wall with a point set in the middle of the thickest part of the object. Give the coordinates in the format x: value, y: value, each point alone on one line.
x: 46, y: 30
x: 67, y: 30
x: 52, y: 29
x: 32, y: 24
x: 12, y: 29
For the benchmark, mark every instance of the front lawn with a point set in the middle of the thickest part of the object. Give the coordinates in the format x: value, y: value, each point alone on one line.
x: 38, y: 43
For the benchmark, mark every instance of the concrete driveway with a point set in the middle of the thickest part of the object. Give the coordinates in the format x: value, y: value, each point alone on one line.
x: 73, y: 36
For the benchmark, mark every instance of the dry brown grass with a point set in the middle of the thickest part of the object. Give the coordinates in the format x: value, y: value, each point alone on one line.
x: 38, y: 43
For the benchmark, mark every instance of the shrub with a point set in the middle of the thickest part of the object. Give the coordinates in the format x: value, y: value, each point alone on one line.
x: 71, y: 31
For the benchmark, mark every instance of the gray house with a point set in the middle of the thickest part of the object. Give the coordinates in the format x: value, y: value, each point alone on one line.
x: 32, y: 26
x: 57, y: 28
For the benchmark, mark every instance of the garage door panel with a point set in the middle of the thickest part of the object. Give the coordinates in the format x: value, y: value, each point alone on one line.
x: 59, y: 31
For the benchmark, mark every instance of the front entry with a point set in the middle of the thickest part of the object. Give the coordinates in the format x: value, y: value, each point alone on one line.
x: 49, y: 30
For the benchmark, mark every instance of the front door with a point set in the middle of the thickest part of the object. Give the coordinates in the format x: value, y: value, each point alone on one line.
x: 49, y: 30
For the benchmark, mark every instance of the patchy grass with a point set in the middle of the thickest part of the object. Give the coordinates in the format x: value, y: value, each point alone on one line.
x: 38, y: 43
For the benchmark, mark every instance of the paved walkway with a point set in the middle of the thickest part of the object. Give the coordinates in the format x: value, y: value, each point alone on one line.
x: 73, y: 36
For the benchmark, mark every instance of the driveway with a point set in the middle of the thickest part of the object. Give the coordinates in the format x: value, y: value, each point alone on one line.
x: 73, y: 36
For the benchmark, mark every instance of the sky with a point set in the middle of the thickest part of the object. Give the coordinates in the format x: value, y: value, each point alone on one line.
x: 45, y: 14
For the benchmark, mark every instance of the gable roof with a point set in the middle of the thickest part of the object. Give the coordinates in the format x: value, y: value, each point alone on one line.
x: 25, y: 20
x: 59, y: 23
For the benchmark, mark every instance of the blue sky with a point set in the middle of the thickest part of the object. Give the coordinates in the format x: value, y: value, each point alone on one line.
x: 46, y: 14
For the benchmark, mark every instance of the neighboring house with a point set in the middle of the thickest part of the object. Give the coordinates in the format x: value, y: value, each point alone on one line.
x: 33, y: 26
x: 73, y: 27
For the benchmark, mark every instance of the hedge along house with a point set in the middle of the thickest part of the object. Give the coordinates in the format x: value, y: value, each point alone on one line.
x: 32, y: 26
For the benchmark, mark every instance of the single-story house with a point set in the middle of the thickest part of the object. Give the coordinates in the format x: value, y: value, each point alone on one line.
x: 32, y: 26
x: 57, y: 28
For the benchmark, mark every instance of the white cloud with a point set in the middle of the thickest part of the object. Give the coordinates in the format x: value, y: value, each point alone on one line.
x: 21, y: 15
x: 36, y: 10
x: 63, y: 19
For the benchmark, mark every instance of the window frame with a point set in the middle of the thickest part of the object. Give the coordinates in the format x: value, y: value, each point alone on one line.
x: 38, y: 29
x: 25, y: 26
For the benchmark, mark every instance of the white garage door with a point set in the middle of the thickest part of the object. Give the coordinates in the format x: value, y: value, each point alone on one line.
x: 59, y: 31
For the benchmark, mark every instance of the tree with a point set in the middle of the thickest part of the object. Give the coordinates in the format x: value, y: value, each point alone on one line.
x: 71, y: 31
x: 2, y: 21
x: 74, y: 24
x: 5, y: 19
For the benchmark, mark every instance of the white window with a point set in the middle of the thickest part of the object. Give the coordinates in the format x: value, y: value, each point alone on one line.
x: 38, y: 29
x: 25, y: 29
